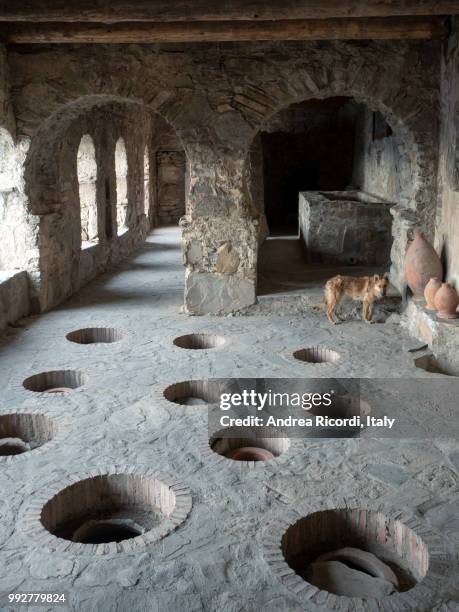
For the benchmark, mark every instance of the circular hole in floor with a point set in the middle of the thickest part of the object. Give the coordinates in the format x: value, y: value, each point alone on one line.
x: 111, y: 530
x: 240, y: 444
x: 191, y: 393
x: 355, y: 553
x: 96, y: 335
x: 22, y: 432
x: 437, y: 364
x: 343, y: 408
x: 317, y: 354
x: 59, y: 381
x: 199, y: 341
x: 108, y: 508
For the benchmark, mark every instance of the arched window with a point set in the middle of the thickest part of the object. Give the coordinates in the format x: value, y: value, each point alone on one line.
x: 121, y: 168
x: 87, y: 179
x: 9, y: 217
x: 146, y: 181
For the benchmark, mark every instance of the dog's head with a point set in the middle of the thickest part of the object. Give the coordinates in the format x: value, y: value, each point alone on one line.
x: 381, y: 283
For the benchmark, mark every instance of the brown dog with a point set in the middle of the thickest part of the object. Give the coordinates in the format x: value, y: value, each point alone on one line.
x: 367, y: 289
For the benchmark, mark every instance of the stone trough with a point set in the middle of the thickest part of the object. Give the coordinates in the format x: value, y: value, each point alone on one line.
x: 345, y: 227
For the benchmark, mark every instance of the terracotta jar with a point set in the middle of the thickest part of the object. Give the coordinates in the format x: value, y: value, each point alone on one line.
x: 249, y: 453
x: 421, y: 264
x: 429, y: 292
x: 446, y: 301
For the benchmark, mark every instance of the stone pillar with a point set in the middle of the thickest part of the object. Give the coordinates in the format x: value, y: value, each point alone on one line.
x: 219, y: 236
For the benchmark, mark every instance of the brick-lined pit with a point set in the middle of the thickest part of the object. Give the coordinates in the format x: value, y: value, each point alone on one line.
x: 22, y: 432
x: 341, y: 408
x: 58, y: 381
x: 96, y: 335
x: 114, y: 511
x: 416, y: 555
x: 199, y: 341
x: 191, y: 393
x: 241, y: 444
x: 317, y: 354
x: 329, y: 530
x: 437, y: 365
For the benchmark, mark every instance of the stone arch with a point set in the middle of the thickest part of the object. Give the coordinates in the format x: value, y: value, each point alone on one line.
x: 410, y: 141
x: 275, y: 81
x: 87, y: 187
x: 8, y: 183
x: 51, y: 185
x: 415, y: 204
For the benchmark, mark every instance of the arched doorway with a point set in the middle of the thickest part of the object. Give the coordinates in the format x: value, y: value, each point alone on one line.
x: 323, y: 177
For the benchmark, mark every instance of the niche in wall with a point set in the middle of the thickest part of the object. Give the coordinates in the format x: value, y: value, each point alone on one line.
x: 380, y: 128
x: 87, y: 180
x: 121, y: 169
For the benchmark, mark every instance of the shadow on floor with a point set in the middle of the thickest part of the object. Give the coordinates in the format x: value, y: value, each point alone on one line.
x: 282, y: 268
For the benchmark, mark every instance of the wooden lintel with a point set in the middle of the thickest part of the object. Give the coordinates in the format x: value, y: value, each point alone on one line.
x: 189, y: 32
x: 113, y: 11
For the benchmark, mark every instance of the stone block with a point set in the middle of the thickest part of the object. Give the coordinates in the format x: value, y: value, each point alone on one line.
x: 213, y: 293
x: 345, y: 227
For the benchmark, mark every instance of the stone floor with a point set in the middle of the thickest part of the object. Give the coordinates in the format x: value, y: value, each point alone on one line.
x: 214, y: 560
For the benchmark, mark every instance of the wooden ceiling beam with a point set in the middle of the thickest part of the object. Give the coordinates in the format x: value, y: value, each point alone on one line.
x: 189, y: 32
x: 114, y: 11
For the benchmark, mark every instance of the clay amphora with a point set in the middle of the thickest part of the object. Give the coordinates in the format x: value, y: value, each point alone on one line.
x: 429, y: 292
x: 446, y: 301
x: 421, y: 264
x: 249, y: 453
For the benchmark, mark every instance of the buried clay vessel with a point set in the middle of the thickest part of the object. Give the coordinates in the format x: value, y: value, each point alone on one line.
x: 421, y: 264
x: 249, y: 453
x: 430, y: 291
x: 446, y: 301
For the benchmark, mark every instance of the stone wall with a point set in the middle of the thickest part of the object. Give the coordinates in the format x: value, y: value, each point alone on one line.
x: 54, y: 191
x: 383, y: 167
x: 14, y: 297
x: 379, y: 167
x: 217, y: 98
x: 447, y: 227
x: 18, y: 229
x: 170, y: 173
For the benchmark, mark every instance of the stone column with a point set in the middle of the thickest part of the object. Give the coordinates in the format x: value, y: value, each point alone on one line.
x: 219, y: 235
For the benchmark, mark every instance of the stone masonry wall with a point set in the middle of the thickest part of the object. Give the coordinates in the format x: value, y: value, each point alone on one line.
x: 217, y: 97
x: 18, y: 229
x: 170, y: 168
x: 54, y: 192
x: 447, y: 227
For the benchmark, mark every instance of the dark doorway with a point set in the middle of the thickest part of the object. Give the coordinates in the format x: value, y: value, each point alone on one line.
x: 309, y: 146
